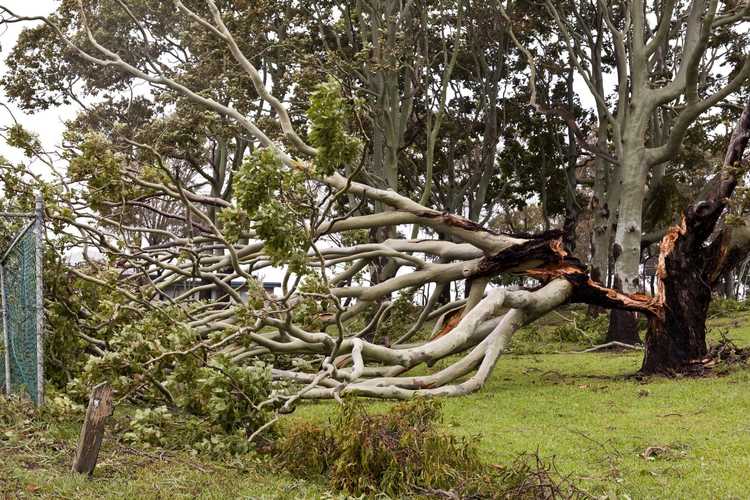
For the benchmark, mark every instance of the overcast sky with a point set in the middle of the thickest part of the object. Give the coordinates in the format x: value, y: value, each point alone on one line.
x: 47, y: 124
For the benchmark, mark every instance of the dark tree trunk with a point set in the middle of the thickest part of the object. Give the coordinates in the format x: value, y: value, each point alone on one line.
x: 676, y: 341
x: 594, y: 310
x: 690, y: 267
x: 623, y: 327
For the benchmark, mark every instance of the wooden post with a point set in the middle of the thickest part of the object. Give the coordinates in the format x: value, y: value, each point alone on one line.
x: 100, y: 407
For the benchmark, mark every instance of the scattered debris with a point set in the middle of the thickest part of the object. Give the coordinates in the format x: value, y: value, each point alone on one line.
x: 611, y: 345
x: 727, y: 352
x: 652, y: 452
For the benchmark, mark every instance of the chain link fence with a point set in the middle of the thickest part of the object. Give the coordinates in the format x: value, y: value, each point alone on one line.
x: 21, y: 294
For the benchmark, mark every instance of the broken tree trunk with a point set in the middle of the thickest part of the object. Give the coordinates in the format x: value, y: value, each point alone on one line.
x: 99, y: 409
x: 690, y: 265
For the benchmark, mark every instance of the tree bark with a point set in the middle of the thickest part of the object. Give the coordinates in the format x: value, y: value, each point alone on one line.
x: 690, y: 266
x: 626, y: 251
x: 99, y: 409
x: 676, y: 340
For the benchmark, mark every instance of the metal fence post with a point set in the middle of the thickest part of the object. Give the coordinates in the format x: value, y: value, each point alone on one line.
x: 39, y: 233
x: 6, y: 334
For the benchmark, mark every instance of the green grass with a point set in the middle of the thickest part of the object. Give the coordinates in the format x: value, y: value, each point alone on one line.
x: 584, y: 411
x: 590, y: 415
x: 37, y: 454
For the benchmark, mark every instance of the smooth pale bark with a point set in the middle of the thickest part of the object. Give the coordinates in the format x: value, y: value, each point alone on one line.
x: 626, y: 250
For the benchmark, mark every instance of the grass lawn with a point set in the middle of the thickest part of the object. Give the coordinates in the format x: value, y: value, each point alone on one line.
x: 584, y: 411
x: 36, y: 461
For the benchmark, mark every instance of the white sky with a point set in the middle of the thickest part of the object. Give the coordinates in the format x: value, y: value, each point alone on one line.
x: 47, y: 124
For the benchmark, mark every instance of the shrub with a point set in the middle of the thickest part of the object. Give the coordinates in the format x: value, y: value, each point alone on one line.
x: 394, y: 453
x: 578, y: 328
x: 583, y: 328
x: 398, y: 451
x: 720, y: 306
x: 307, y: 449
x: 403, y: 452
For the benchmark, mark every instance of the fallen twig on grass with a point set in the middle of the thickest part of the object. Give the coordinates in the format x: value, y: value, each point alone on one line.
x: 614, y: 343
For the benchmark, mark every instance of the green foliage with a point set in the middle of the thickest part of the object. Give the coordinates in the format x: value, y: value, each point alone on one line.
x: 575, y: 327
x: 399, y: 451
x: 223, y: 392
x: 720, y: 306
x: 396, y: 453
x: 124, y: 364
x: 285, y: 238
x: 400, y: 317
x: 268, y: 198
x: 328, y: 114
x: 583, y: 328
x: 161, y: 428
x: 214, y: 408
x: 234, y: 222
x: 307, y: 449
x: 19, y: 137
x: 259, y: 180
x: 311, y: 307
x: 190, y: 400
x: 66, y: 351
x: 100, y: 167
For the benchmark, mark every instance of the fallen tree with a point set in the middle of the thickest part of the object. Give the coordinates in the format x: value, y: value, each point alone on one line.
x: 291, y: 207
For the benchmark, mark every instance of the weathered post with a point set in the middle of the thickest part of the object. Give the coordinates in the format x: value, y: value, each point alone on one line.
x: 99, y: 409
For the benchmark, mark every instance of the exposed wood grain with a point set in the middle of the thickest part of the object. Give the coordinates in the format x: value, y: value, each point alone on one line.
x: 99, y: 409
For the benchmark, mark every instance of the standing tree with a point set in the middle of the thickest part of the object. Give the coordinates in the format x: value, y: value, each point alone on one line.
x: 669, y: 61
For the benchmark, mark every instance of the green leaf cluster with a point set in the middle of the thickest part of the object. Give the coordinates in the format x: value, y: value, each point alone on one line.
x: 217, y: 406
x: 191, y: 399
x: 101, y: 168
x: 267, y: 196
x: 329, y: 115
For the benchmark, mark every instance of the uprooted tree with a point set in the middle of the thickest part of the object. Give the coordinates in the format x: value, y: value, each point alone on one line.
x: 179, y: 197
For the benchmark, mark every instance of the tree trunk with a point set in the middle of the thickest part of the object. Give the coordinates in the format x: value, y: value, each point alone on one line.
x: 623, y: 327
x: 600, y: 239
x: 626, y: 251
x: 676, y: 342
x: 690, y: 266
